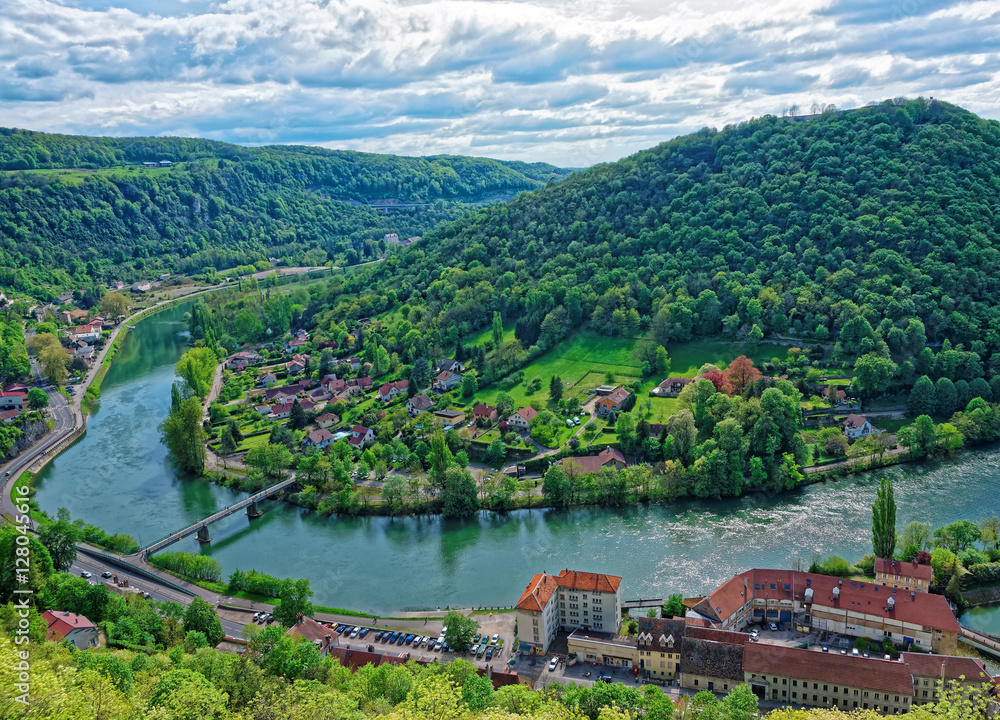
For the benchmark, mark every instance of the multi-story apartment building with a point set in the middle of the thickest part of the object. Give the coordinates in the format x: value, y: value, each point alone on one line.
x: 568, y: 601
x: 899, y: 575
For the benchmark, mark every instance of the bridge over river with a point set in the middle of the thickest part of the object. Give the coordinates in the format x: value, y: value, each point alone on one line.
x: 984, y: 642
x: 201, y: 527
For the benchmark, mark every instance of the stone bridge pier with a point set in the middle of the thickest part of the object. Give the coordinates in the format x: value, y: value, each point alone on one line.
x: 253, y: 511
x: 203, y: 535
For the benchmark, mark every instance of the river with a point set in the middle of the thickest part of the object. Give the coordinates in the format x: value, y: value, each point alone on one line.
x: 118, y: 477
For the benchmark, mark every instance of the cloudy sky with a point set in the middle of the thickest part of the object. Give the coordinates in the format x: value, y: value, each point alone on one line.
x: 572, y: 82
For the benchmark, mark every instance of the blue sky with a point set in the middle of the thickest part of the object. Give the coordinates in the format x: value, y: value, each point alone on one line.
x: 568, y: 82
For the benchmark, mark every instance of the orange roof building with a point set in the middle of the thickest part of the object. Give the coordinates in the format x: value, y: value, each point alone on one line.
x: 568, y: 601
x: 72, y: 627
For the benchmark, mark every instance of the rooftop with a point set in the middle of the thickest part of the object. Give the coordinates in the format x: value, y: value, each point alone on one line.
x: 859, y: 672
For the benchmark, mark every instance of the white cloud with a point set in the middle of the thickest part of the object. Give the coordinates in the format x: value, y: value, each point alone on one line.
x: 568, y: 82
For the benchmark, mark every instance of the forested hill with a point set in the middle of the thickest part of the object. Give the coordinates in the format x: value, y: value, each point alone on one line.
x: 76, y: 210
x: 886, y: 214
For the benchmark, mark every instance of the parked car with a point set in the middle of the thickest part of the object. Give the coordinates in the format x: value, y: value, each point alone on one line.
x: 341, y: 628
x: 605, y: 679
x: 781, y: 626
x: 378, y: 636
x: 495, y: 638
x: 489, y: 652
x: 409, y: 639
x: 268, y: 618
x: 438, y: 645
x: 482, y: 650
x: 392, y: 638
x: 553, y: 663
x: 355, y: 631
x: 576, y: 420
x: 475, y: 649
x: 772, y: 627
x: 402, y: 639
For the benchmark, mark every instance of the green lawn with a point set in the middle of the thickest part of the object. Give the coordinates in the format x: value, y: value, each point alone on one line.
x: 686, y: 358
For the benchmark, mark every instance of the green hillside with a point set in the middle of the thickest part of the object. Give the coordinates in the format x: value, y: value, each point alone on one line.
x: 75, y: 210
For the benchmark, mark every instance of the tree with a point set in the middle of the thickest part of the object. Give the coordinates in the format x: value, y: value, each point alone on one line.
x: 420, y: 374
x: 461, y: 630
x: 197, y: 368
x: 477, y: 692
x: 884, y: 521
x: 556, y: 388
x: 175, y: 397
x: 495, y: 454
x: 271, y: 459
x: 497, y: 330
x: 325, y: 363
x: 922, y: 400
x: 293, y: 601
x: 184, y: 436
x: 990, y: 532
x: 37, y: 399
x: 754, y: 337
x: 54, y: 362
x: 227, y: 443
x: 115, y: 306
x: 674, y: 607
x: 945, y: 397
x: 873, y: 374
x: 186, y: 695
x: 662, y: 362
x: 470, y: 384
x: 949, y: 439
x: 920, y: 437
x: 440, y: 458
x: 505, y: 404
x: 740, y: 704
x: 556, y: 487
x: 740, y: 373
x: 60, y: 538
x: 916, y: 534
x: 201, y: 616
x: 460, y: 496
x: 297, y: 416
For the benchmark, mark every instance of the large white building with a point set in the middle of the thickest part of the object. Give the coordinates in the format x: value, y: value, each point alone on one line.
x: 568, y: 601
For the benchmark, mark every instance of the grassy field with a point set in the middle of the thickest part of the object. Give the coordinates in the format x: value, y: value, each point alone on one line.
x: 584, y: 360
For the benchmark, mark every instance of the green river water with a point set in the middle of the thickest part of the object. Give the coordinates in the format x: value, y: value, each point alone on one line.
x: 118, y: 477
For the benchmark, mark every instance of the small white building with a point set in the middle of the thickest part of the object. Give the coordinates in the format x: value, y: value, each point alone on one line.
x: 68, y: 626
x: 857, y: 426
x: 522, y: 418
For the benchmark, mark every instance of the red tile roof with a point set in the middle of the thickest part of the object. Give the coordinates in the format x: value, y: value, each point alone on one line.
x: 903, y: 569
x: 946, y: 666
x: 860, y: 672
x: 920, y: 609
x: 593, y: 582
x: 594, y: 463
x: 855, y: 420
x: 528, y: 413
x: 536, y: 596
x: 62, y: 623
x: 483, y: 410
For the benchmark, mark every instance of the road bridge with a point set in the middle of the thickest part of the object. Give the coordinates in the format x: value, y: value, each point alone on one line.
x: 201, y: 527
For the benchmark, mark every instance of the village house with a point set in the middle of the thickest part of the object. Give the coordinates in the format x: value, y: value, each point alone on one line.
x: 116, y: 285
x: 263, y: 409
x: 359, y: 386
x: 64, y: 298
x: 268, y: 379
x: 671, y: 387
x: 68, y: 626
x: 318, y: 438
x: 360, y: 435
x: 586, y: 464
x: 487, y: 413
x: 12, y: 399
x: 835, y: 605
x: 618, y: 400
x: 568, y: 601
x: 243, y: 359
x: 446, y: 380
x: 857, y: 426
x: 294, y: 344
x: 522, y: 418
x: 319, y: 396
x: 450, y: 365
x: 281, y: 411
x: 353, y: 362
x: 390, y: 390
x: 90, y: 332
x: 450, y: 418
x: 297, y: 364
x: 391, y: 239
x: 839, y: 397
x: 327, y: 420
x: 9, y: 416
x: 324, y: 638
x: 903, y: 575
x: 286, y: 393
x: 307, y: 405
x: 333, y: 385
x: 659, y: 643
x: 418, y: 404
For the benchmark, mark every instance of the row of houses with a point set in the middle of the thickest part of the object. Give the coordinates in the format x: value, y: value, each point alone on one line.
x: 710, y: 650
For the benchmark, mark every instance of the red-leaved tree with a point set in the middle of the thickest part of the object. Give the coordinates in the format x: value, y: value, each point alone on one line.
x: 741, y: 373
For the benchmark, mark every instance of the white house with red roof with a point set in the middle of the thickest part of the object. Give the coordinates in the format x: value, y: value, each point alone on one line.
x: 12, y: 399
x: 857, y: 426
x: 568, y: 601
x: 69, y: 626
x: 390, y: 390
x: 318, y: 438
x: 281, y: 411
x: 327, y: 420
x: 522, y: 418
x: 446, y: 380
x: 360, y: 435
x: 9, y: 416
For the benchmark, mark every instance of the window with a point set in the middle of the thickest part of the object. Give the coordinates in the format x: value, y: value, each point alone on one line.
x: 795, y: 695
x: 815, y: 699
x: 795, y: 683
x: 784, y: 681
x: 824, y: 688
x: 815, y: 686
x: 534, y: 621
x: 662, y: 664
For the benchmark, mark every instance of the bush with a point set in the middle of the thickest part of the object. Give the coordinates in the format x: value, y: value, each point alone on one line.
x: 254, y: 581
x: 973, y: 557
x: 986, y: 573
x: 193, y: 565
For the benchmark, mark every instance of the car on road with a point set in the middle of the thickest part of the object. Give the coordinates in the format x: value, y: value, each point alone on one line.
x: 84, y: 574
x: 553, y: 663
x: 826, y: 648
x: 772, y: 627
x: 605, y: 679
x: 106, y: 574
x: 7, y: 473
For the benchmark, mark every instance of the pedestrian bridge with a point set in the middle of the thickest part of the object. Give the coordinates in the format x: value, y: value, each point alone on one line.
x: 983, y: 642
x: 201, y: 527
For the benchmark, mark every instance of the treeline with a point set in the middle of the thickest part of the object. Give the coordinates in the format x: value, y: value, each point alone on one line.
x: 871, y: 229
x: 220, y: 207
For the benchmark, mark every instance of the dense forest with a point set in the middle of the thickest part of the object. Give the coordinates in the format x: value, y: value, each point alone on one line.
x: 873, y: 229
x: 78, y: 210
